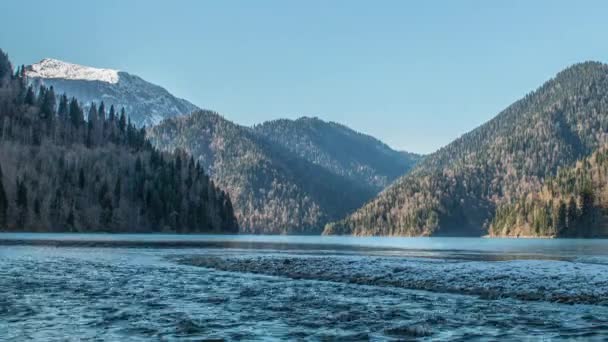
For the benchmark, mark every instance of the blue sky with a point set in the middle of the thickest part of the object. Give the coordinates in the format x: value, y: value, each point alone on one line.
x: 416, y: 74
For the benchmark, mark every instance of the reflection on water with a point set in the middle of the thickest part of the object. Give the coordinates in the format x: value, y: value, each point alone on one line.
x: 48, y: 293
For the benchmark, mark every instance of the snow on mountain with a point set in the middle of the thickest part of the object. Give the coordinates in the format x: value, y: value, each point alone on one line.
x: 145, y: 103
x: 53, y: 68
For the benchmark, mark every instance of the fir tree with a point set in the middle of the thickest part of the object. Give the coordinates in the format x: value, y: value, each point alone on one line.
x: 22, y: 203
x: 3, y: 203
x: 30, y: 97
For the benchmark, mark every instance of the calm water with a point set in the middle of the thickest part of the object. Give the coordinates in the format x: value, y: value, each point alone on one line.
x: 175, y: 287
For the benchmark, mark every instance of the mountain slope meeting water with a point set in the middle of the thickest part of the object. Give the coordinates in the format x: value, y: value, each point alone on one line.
x: 274, y: 190
x: 146, y: 103
x: 298, y: 187
x: 573, y: 203
x: 455, y: 190
x: 62, y: 173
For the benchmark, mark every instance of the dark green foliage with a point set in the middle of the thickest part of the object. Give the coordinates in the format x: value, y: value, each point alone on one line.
x: 47, y: 105
x: 63, y: 111
x: 30, y: 97
x: 6, y: 68
x: 82, y: 182
x: 122, y: 122
x: 3, y: 203
x: 571, y: 216
x: 21, y: 203
x: 561, y: 220
x: 455, y: 190
x: 76, y: 114
x: 68, y: 174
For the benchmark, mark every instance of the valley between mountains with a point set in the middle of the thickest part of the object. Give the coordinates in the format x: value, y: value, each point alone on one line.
x: 538, y: 168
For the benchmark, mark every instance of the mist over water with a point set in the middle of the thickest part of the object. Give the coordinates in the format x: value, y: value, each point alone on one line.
x: 288, y: 288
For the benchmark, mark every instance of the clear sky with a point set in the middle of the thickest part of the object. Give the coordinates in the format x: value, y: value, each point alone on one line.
x: 415, y: 74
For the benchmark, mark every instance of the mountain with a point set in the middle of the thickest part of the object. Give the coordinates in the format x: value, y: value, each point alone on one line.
x: 340, y: 150
x: 272, y: 188
x: 59, y: 172
x: 573, y: 203
x: 146, y: 103
x: 455, y: 190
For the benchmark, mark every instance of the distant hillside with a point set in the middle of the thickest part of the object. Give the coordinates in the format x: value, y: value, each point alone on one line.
x: 60, y: 172
x: 455, y: 190
x: 146, y: 103
x: 342, y: 151
x: 273, y: 189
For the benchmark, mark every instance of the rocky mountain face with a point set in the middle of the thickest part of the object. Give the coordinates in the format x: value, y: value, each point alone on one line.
x: 455, y: 191
x: 273, y: 189
x: 340, y: 150
x: 146, y: 103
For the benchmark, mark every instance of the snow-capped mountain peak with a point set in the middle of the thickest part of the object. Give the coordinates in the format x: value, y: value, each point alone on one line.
x: 54, y: 68
x: 145, y: 103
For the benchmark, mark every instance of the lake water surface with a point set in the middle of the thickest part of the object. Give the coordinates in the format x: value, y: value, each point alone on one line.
x: 194, y: 287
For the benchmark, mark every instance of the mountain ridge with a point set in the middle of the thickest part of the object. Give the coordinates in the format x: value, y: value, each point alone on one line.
x: 273, y: 190
x: 340, y: 149
x: 146, y: 103
x: 454, y: 191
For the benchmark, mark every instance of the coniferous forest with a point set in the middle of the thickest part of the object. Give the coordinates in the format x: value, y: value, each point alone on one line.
x: 573, y: 203
x: 64, y: 169
x: 491, y: 170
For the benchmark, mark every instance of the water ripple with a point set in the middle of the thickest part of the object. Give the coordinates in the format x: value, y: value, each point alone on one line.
x: 91, y: 294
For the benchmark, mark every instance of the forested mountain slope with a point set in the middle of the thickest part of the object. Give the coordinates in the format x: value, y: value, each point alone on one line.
x: 337, y: 148
x: 60, y: 172
x: 273, y: 189
x: 455, y: 190
x: 574, y: 203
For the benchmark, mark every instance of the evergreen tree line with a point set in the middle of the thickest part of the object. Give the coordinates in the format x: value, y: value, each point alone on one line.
x: 571, y: 204
x: 62, y: 170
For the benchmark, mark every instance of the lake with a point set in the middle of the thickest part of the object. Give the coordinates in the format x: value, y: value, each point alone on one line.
x: 241, y: 287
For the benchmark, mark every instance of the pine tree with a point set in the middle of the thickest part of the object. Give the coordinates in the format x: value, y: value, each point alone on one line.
x: 112, y: 115
x: 6, y: 69
x: 587, y: 211
x: 41, y: 96
x: 572, y: 215
x: 47, y: 108
x: 81, y: 179
x: 63, y: 113
x: 122, y: 123
x: 117, y: 191
x: 22, y: 203
x: 55, y: 209
x: 76, y: 114
x: 63, y: 110
x: 102, y: 111
x: 562, y: 214
x: 3, y: 203
x: 105, y: 203
x: 30, y: 97
x: 92, y: 126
